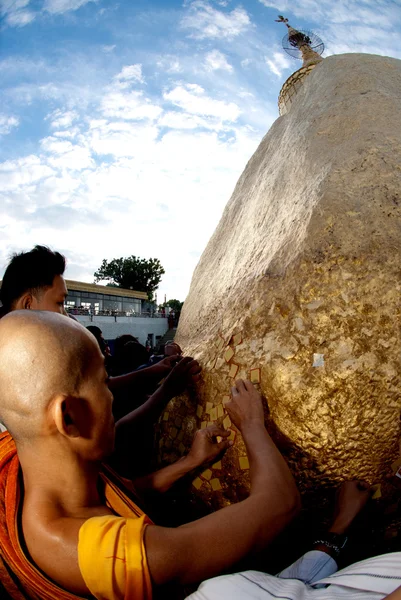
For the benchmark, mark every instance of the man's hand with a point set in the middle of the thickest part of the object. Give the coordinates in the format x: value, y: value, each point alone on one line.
x: 184, y: 373
x: 205, y: 447
x: 246, y: 404
x: 168, y: 363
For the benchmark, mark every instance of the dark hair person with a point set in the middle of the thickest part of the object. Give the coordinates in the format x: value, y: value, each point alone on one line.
x: 34, y: 280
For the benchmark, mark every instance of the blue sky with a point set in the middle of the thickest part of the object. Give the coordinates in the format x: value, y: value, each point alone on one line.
x: 124, y: 126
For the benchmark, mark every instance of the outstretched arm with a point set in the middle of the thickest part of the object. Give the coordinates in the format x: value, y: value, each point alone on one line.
x: 204, y: 449
x: 134, y: 429
x: 145, y: 377
x: 205, y: 547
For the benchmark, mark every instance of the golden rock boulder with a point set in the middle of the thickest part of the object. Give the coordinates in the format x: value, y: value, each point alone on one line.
x: 299, y: 288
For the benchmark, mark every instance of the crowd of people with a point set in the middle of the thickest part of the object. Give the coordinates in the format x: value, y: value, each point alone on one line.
x: 73, y: 488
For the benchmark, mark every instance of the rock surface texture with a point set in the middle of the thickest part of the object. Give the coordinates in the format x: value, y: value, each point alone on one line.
x: 305, y: 269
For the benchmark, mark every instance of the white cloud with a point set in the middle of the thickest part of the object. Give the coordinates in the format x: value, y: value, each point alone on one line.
x: 7, y: 124
x: 63, y: 154
x: 22, y: 172
x: 207, y: 22
x: 130, y: 73
x: 16, y: 13
x: 180, y: 120
x: 130, y: 106
x: 170, y: 64
x: 61, y: 6
x: 193, y: 99
x: 215, y: 60
x: 62, y: 119
x: 121, y: 138
x: 278, y: 63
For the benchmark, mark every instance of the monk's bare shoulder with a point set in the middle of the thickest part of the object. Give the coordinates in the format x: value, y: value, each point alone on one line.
x: 52, y: 543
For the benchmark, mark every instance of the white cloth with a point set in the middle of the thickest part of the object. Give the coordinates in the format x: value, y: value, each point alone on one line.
x: 311, y: 567
x: 371, y: 579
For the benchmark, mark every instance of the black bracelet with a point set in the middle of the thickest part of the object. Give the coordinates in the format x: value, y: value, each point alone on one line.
x: 330, y: 545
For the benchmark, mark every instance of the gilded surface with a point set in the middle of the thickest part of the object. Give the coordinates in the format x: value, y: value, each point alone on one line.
x: 302, y: 280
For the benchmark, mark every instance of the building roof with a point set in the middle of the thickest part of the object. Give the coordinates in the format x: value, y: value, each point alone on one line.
x: 83, y: 286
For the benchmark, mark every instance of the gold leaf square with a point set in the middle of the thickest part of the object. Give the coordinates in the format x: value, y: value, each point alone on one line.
x: 233, y: 370
x: 197, y: 483
x: 243, y: 462
x: 216, y: 485
x: 377, y: 491
x: 228, y: 354
x: 255, y: 375
x: 227, y: 422
x: 207, y: 474
x: 237, y: 339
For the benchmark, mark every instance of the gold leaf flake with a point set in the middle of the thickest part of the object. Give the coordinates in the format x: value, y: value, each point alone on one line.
x: 231, y: 437
x: 237, y: 339
x: 226, y: 399
x: 213, y: 414
x: 377, y: 492
x: 255, y: 375
x: 217, y: 465
x: 165, y: 416
x: 207, y: 474
x: 199, y: 411
x: 220, y: 411
x: 233, y: 370
x: 215, y: 483
x: 243, y: 462
x: 227, y: 422
x: 228, y: 354
x: 173, y: 432
x: 197, y: 483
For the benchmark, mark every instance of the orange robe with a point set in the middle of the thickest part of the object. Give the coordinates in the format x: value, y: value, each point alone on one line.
x: 111, y: 553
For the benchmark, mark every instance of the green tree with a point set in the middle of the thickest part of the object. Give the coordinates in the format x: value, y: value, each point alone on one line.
x: 175, y: 305
x: 140, y: 274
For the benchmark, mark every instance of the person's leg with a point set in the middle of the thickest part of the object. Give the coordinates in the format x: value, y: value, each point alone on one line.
x: 320, y: 562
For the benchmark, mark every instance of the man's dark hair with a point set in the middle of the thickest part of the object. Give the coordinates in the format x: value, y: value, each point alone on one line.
x: 31, y: 272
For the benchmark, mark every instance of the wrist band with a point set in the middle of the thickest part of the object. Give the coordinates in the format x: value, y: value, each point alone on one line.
x: 330, y: 545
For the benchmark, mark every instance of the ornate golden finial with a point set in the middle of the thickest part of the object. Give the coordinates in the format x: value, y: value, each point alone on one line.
x: 302, y: 44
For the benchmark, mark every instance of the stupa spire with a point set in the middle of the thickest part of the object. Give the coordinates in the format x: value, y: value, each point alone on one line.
x: 302, y: 41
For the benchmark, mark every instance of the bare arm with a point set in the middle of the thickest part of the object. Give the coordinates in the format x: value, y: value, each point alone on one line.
x: 205, y: 547
x: 149, y: 412
x: 149, y: 376
x: 204, y: 450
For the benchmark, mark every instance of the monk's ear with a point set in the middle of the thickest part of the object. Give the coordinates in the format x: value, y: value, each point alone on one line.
x: 67, y: 417
x: 24, y: 302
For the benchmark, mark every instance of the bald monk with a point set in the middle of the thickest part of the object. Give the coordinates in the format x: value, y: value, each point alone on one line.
x: 34, y: 281
x: 79, y: 531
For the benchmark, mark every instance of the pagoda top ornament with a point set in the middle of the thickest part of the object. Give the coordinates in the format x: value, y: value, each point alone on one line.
x: 303, y: 45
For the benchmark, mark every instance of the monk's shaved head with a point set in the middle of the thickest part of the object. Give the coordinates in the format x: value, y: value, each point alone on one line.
x: 42, y: 355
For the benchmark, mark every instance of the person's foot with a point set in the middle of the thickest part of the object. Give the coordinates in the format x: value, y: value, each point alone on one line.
x: 351, y: 498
